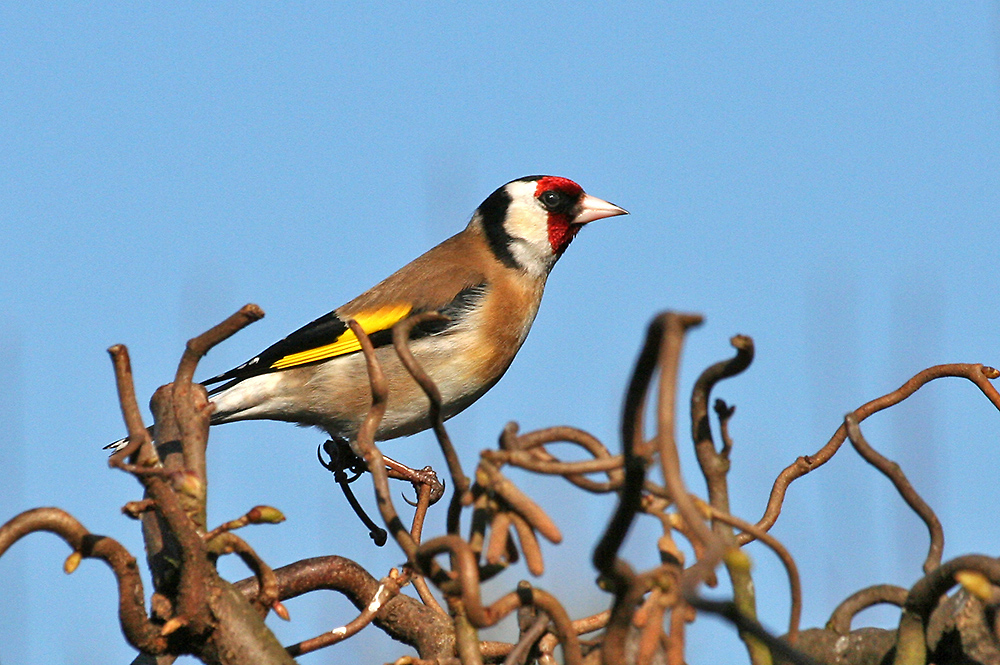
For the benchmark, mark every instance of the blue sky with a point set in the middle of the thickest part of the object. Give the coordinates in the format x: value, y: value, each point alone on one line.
x: 823, y: 178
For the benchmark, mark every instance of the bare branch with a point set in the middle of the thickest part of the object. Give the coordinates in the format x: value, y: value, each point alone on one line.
x: 140, y: 632
x: 387, y: 590
x: 365, y: 445
x: 402, y: 617
x: 138, y: 435
x: 267, y: 597
x: 197, y: 347
x: 528, y: 452
x: 605, y: 556
x: 715, y: 467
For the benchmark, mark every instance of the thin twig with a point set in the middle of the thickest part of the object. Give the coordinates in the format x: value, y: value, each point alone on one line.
x: 267, y: 595
x: 365, y: 444
x: 727, y: 610
x: 138, y: 435
x: 893, y: 472
x: 424, y: 495
x: 630, y: 498
x: 714, y: 466
x: 191, y: 601
x: 528, y: 452
x: 674, y: 329
x: 198, y: 346
x: 403, y: 618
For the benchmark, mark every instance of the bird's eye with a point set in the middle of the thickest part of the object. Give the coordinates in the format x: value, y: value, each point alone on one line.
x: 552, y: 199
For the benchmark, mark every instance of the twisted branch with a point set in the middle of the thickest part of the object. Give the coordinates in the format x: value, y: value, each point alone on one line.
x: 977, y: 373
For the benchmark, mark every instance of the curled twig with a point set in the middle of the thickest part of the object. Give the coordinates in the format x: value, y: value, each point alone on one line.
x: 840, y: 620
x: 674, y: 328
x: 528, y: 452
x: 977, y: 373
x: 267, y: 595
x: 424, y: 500
x: 140, y: 632
x: 615, y: 572
x: 715, y: 465
x: 364, y: 442
x: 630, y: 499
x: 710, y: 459
x: 190, y: 401
x: 581, y: 626
x: 403, y: 618
x: 198, y: 346
x: 893, y: 472
x: 400, y: 340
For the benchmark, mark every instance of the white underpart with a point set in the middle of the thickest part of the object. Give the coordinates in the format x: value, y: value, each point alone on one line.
x: 253, y: 397
x: 528, y: 224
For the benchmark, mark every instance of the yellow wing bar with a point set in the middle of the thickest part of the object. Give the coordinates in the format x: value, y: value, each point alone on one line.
x: 371, y: 322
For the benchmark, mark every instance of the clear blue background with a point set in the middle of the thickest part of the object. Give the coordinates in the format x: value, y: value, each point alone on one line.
x: 821, y: 176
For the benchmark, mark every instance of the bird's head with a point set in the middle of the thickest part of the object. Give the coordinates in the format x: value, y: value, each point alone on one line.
x: 529, y: 222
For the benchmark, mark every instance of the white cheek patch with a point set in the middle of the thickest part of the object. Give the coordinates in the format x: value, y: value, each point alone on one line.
x: 527, y: 224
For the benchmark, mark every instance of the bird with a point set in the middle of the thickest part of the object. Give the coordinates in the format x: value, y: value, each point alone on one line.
x: 487, y: 281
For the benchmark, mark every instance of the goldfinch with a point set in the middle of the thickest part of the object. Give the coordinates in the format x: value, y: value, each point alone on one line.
x: 488, y: 279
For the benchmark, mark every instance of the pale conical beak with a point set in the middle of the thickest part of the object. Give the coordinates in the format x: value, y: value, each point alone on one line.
x: 592, y: 208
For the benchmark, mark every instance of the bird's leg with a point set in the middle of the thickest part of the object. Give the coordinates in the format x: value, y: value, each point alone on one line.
x: 343, y: 459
